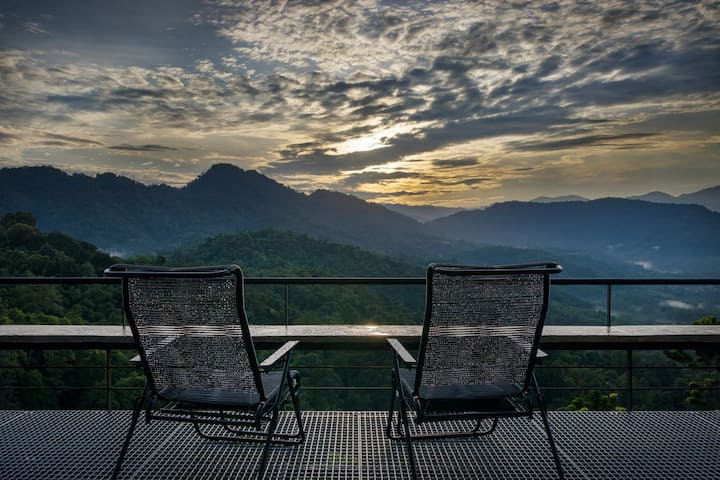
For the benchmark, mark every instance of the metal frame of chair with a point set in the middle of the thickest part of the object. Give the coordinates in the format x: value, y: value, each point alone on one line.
x: 195, y: 348
x: 477, y: 353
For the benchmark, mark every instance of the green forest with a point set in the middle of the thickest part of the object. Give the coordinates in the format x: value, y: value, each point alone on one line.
x: 59, y: 379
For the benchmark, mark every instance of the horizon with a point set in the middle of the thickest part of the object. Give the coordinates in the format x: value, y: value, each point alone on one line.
x: 451, y: 104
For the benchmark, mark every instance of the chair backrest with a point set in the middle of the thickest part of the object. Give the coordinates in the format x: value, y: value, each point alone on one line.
x: 482, y: 324
x: 190, y: 327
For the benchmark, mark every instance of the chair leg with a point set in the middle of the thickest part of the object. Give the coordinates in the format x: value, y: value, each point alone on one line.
x: 476, y: 431
x: 268, y: 441
x: 408, y: 439
x: 133, y: 422
x: 296, y: 407
x: 548, y: 430
x: 391, y: 410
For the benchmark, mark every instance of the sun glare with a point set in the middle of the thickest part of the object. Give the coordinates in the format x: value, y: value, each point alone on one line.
x: 380, y: 138
x: 362, y: 144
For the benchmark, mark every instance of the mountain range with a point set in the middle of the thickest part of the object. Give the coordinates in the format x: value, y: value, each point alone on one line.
x: 708, y: 197
x: 125, y: 217
x: 122, y: 216
x: 668, y: 238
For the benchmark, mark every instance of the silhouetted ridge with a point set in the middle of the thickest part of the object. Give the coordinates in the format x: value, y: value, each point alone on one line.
x: 119, y: 214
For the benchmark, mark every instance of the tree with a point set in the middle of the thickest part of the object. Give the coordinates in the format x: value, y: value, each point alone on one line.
x: 24, y: 218
x: 701, y: 386
x: 594, y: 400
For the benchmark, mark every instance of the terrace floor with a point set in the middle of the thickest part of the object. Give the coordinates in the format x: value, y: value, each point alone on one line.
x: 75, y: 445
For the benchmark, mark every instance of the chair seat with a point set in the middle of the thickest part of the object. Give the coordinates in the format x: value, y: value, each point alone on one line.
x: 465, y: 398
x: 228, y: 398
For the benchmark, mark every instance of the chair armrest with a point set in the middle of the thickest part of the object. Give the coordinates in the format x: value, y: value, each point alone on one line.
x: 540, y: 356
x: 402, y: 352
x: 278, y: 354
x: 524, y: 348
x: 137, y: 361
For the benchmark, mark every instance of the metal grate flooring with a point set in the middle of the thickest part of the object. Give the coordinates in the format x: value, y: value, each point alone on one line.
x: 351, y: 445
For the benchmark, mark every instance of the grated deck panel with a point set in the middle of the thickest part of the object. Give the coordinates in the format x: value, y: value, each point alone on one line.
x: 78, y: 445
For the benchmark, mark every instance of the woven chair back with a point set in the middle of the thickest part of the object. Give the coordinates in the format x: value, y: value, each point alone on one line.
x: 192, y: 330
x: 482, y: 325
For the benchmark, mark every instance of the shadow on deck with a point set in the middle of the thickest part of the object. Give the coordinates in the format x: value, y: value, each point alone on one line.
x: 351, y: 445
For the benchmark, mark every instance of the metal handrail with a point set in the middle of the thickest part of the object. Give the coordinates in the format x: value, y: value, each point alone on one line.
x: 339, y: 281
x: 369, y: 281
x: 608, y: 282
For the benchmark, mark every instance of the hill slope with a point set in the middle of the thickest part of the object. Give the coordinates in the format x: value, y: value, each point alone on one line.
x: 127, y: 217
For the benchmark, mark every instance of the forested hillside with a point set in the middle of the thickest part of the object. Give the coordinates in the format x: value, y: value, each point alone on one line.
x: 272, y: 253
x: 284, y: 253
x: 26, y: 251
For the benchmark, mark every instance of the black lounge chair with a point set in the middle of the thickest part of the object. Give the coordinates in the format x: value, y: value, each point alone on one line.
x: 195, y: 348
x: 477, y: 352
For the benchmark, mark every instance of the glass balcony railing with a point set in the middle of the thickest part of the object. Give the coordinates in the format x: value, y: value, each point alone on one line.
x: 613, y: 344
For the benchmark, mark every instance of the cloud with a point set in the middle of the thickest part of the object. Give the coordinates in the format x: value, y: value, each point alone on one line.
x: 34, y: 28
x: 142, y: 148
x: 132, y: 94
x: 623, y: 140
x: 454, y: 163
x: 7, y: 138
x: 355, y: 179
x: 54, y: 139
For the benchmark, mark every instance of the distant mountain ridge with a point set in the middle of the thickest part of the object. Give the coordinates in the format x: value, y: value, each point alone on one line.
x: 125, y: 217
x: 563, y: 198
x: 669, y: 238
x: 422, y: 213
x: 708, y: 198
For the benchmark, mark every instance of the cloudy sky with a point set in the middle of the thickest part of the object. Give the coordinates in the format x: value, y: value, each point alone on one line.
x: 446, y: 103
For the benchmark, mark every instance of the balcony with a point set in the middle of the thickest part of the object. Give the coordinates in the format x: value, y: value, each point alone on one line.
x: 60, y: 444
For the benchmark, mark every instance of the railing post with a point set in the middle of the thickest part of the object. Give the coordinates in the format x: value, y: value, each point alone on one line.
x: 108, y: 379
x: 629, y: 361
x: 608, y: 306
x: 122, y: 306
x: 287, y: 304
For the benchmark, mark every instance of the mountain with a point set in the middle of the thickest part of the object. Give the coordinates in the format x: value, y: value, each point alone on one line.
x: 126, y: 217
x: 657, y: 197
x: 709, y: 198
x: 668, y: 238
x: 109, y: 211
x: 564, y: 198
x: 421, y: 213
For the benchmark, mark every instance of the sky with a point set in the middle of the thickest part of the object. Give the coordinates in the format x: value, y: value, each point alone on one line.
x: 452, y: 103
